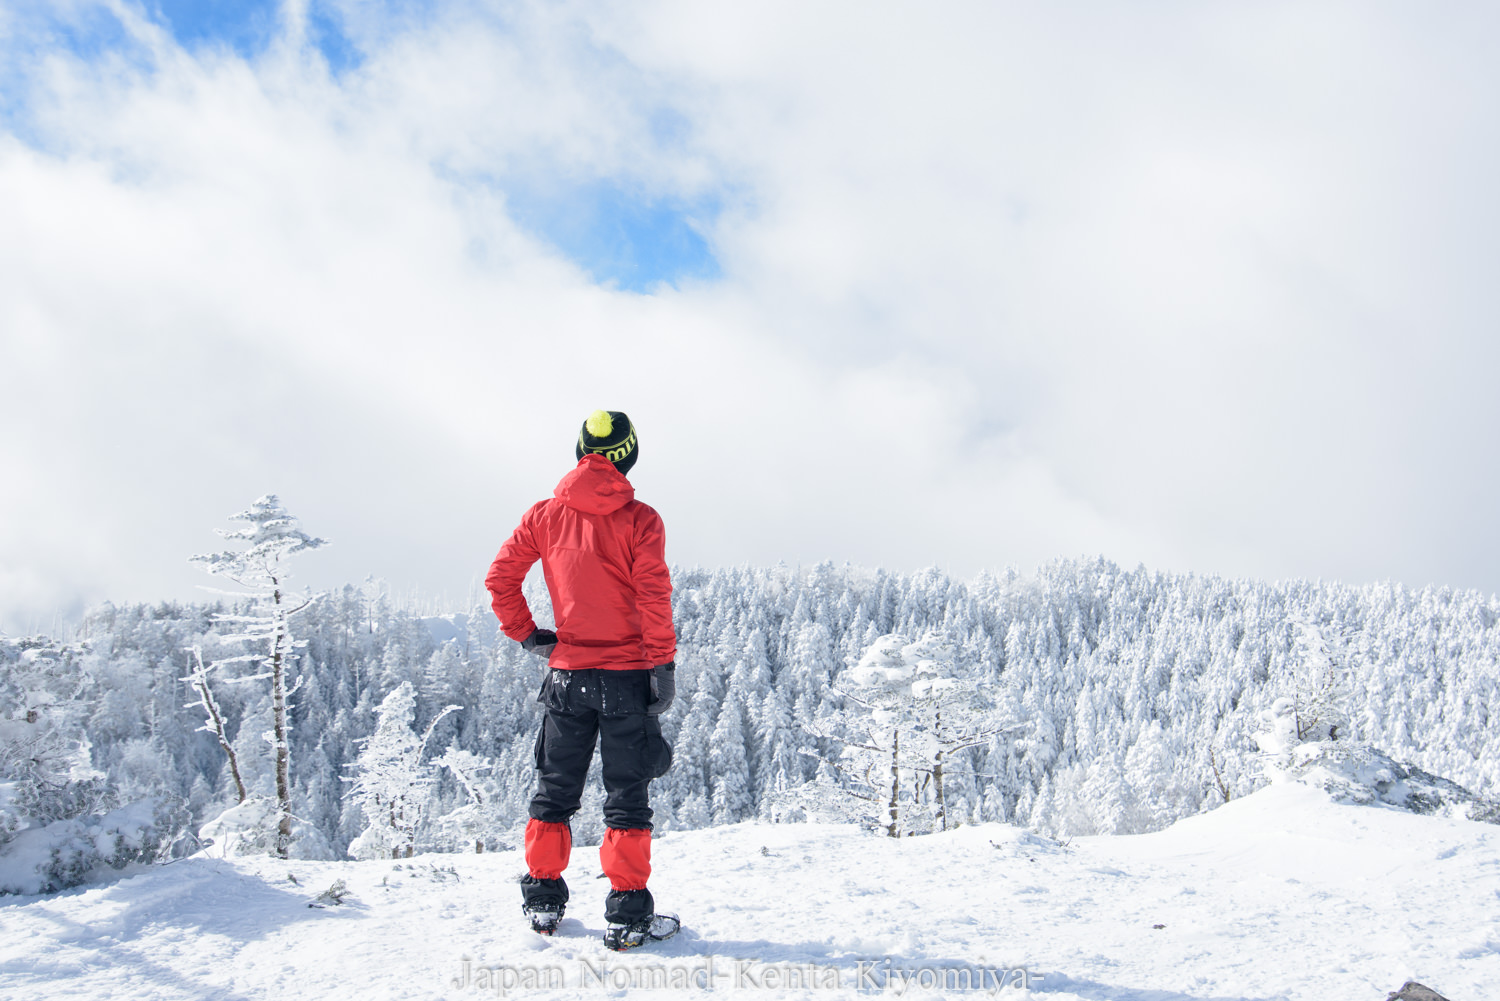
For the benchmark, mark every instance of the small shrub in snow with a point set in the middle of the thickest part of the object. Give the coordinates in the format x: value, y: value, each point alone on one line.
x: 66, y: 853
x: 253, y: 828
x: 247, y: 828
x: 335, y: 895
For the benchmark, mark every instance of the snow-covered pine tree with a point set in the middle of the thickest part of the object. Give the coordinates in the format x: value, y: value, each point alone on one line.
x: 910, y: 711
x: 389, y: 778
x: 948, y: 715
x: 273, y: 538
x: 729, y: 765
x: 869, y: 731
x: 690, y: 774
x: 780, y: 766
x: 1319, y: 693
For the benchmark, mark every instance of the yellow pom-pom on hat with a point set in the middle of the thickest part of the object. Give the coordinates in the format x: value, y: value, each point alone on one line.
x: 600, y: 424
x: 611, y: 434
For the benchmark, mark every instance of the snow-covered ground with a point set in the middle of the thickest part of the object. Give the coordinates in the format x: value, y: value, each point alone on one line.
x: 1281, y: 894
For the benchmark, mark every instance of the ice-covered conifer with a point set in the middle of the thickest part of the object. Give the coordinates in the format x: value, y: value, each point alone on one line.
x: 909, y: 710
x: 389, y: 782
x: 46, y: 768
x: 727, y: 761
x: 1319, y: 693
x: 272, y: 538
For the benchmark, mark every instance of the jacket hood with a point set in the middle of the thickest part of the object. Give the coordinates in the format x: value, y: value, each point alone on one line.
x: 595, y: 486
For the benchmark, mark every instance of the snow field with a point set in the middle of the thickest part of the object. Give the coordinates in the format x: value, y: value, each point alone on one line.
x: 1281, y: 894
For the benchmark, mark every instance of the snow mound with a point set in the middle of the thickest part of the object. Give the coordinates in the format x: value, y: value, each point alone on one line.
x: 1361, y: 774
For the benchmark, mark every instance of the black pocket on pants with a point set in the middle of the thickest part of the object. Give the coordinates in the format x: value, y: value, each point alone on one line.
x: 539, y: 751
x: 557, y: 689
x: 624, y: 693
x: 658, y: 751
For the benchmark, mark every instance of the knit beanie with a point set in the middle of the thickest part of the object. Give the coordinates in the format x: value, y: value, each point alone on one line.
x: 610, y: 434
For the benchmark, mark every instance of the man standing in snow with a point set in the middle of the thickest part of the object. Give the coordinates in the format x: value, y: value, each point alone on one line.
x: 611, y: 673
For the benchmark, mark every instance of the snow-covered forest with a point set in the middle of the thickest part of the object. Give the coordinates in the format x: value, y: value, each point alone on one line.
x: 1110, y: 700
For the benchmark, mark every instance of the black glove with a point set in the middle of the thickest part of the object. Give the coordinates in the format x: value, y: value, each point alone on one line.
x: 664, y: 684
x: 541, y: 641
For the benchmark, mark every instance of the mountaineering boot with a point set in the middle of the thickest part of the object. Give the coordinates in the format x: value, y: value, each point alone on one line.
x: 652, y: 929
x: 544, y: 917
x: 543, y: 901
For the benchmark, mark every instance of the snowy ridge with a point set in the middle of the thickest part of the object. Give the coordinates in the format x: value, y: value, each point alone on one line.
x: 1279, y: 895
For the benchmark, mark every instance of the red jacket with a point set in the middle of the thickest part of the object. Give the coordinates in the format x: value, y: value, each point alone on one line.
x: 603, y: 554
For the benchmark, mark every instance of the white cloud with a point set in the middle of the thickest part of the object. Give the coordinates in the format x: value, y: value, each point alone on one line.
x: 1206, y: 288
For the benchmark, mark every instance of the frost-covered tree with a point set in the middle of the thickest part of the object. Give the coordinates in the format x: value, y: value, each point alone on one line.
x: 61, y: 816
x: 948, y: 714
x: 389, y: 781
x: 911, y: 712
x: 731, y: 770
x: 780, y: 769
x: 868, y: 730
x: 1319, y: 692
x: 478, y: 820
x: 46, y: 769
x: 272, y: 538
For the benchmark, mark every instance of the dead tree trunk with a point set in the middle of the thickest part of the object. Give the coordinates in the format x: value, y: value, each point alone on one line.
x: 279, y: 727
x: 215, y: 726
x: 894, y: 828
x: 937, y: 791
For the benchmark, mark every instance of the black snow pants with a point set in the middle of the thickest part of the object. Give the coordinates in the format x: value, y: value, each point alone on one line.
x: 609, y: 706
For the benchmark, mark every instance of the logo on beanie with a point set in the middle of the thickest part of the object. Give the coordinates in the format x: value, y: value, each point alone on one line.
x: 624, y: 449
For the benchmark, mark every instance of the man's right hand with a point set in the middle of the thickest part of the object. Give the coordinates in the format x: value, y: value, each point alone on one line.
x: 664, y: 685
x: 541, y: 642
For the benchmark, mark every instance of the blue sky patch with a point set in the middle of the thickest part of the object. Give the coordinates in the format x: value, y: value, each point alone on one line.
x: 247, y: 27
x: 91, y: 33
x: 88, y: 32
x: 326, y: 34
x: 622, y: 237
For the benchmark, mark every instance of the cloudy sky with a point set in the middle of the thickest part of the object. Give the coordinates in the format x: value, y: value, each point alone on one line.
x: 1209, y: 287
